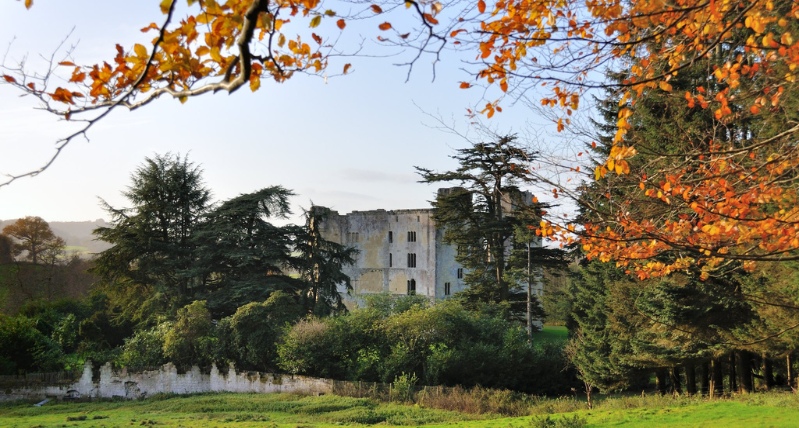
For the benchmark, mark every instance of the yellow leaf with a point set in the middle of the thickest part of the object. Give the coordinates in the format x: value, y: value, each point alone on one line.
x: 165, y: 5
x: 665, y: 86
x: 255, y: 82
x: 28, y: 4
x: 316, y: 21
x: 140, y: 50
x: 182, y: 100
x: 203, y: 50
x: 281, y: 40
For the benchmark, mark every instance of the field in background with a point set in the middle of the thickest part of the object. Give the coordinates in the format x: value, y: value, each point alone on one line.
x: 287, y: 410
x: 552, y: 333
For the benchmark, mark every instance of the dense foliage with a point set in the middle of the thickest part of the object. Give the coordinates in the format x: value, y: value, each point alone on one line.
x: 445, y: 344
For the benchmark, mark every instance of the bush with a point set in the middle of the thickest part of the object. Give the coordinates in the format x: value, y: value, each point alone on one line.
x: 23, y: 348
x: 145, y: 349
x: 444, y: 344
x: 191, y: 338
x: 251, y: 335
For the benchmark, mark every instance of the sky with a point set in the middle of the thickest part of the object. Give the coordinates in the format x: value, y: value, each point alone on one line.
x: 350, y: 143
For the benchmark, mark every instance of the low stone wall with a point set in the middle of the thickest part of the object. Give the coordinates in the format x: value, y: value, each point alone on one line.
x: 112, y: 383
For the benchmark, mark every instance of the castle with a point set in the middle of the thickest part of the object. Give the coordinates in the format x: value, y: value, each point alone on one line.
x: 400, y: 252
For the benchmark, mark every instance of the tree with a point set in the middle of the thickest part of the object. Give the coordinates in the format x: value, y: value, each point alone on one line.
x: 35, y: 239
x: 148, y: 269
x: 321, y: 263
x: 520, y: 45
x: 241, y: 256
x: 6, y: 244
x: 479, y: 218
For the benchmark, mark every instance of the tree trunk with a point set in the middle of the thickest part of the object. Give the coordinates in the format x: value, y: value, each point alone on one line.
x: 744, y: 369
x: 704, y: 378
x: 788, y: 364
x: 690, y: 379
x: 768, y: 372
x: 717, y: 379
x: 529, y: 298
x: 733, y: 376
x: 660, y: 380
x: 674, y: 379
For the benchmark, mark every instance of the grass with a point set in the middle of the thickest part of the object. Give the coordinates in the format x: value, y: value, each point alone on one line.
x: 555, y: 333
x: 288, y: 410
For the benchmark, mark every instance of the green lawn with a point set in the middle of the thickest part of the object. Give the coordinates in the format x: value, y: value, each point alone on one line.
x: 287, y: 410
x: 552, y: 333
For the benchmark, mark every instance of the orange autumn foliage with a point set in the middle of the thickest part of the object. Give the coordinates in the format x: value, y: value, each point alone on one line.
x: 733, y: 199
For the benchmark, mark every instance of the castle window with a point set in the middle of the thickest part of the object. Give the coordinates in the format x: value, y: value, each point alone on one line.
x: 411, y: 260
x: 390, y: 236
x: 447, y: 288
x: 390, y: 260
x: 411, y: 286
x: 460, y: 273
x: 417, y: 219
x: 411, y: 236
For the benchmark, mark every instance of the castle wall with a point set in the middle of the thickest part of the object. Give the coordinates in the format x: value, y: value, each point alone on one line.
x: 112, y: 383
x: 382, y: 264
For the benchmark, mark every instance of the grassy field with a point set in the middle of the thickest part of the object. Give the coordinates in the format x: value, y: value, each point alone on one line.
x: 286, y: 410
x: 552, y: 333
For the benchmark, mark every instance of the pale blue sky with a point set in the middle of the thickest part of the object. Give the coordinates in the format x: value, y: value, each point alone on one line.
x: 350, y: 144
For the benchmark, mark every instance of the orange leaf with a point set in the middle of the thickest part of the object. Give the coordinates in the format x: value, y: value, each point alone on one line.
x: 376, y: 9
x: 9, y: 79
x: 429, y: 18
x: 152, y: 26
x: 481, y: 6
x: 347, y: 67
x: 384, y: 26
x: 754, y: 109
x: 341, y: 24
x: 465, y: 85
x: 66, y: 63
x: 28, y: 4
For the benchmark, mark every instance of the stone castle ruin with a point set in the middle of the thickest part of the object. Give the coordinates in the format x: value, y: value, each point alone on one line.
x: 402, y: 251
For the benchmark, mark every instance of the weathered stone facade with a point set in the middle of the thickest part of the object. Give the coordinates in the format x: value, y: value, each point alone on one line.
x: 399, y: 251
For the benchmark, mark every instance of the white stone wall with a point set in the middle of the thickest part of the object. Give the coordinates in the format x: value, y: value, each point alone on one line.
x: 113, y: 383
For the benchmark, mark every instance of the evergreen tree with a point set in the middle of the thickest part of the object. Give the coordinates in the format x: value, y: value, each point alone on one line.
x: 148, y: 271
x: 241, y: 256
x: 320, y: 264
x: 479, y: 217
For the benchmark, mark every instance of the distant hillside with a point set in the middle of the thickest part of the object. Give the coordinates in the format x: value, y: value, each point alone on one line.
x: 77, y: 234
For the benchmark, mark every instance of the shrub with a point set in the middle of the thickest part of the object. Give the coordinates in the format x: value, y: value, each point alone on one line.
x: 251, y: 335
x: 145, y: 349
x: 23, y: 348
x: 190, y: 340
